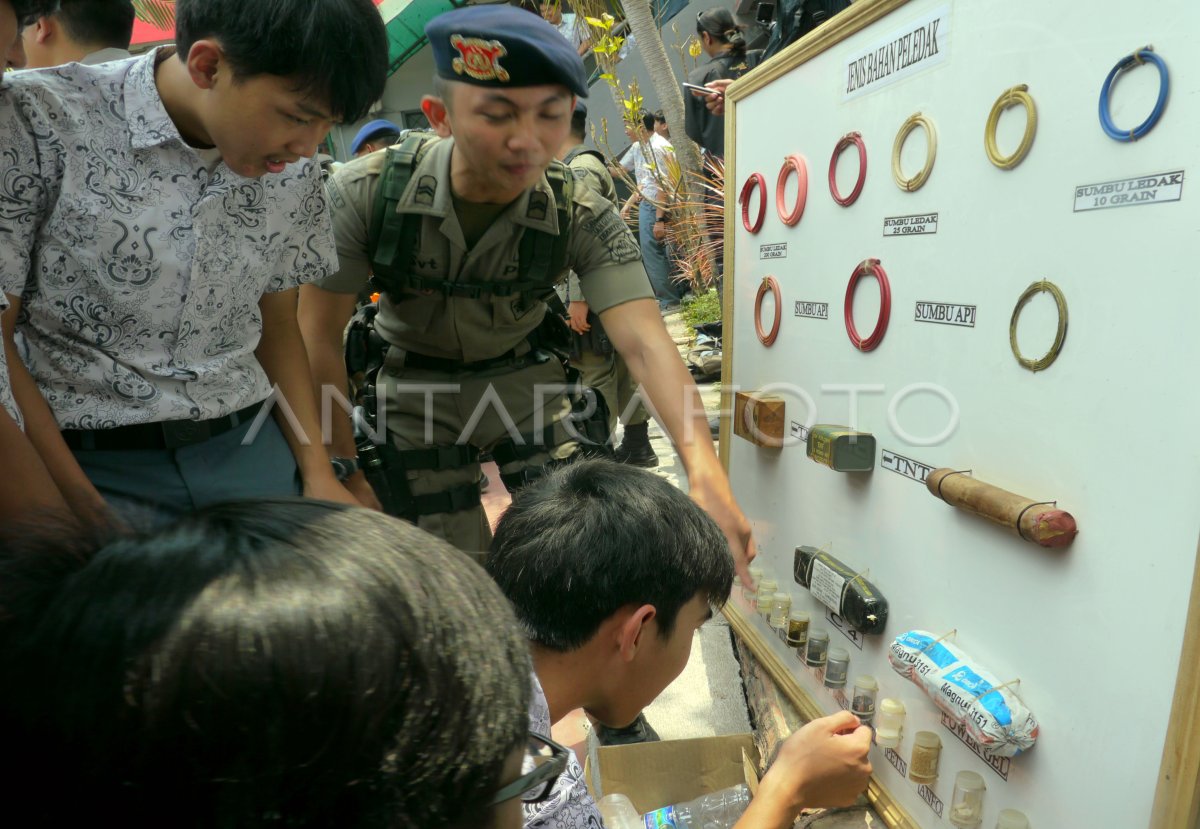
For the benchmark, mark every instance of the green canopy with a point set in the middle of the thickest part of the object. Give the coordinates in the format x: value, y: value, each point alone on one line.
x: 406, y: 21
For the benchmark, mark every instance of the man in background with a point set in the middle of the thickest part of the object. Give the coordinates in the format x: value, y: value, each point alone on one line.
x: 81, y: 31
x: 374, y: 136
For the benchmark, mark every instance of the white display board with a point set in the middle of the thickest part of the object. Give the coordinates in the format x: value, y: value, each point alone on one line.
x: 1095, y: 631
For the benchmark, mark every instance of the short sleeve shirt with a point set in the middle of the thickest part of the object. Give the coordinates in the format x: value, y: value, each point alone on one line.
x: 570, y: 805
x: 647, y: 171
x: 601, y: 250
x: 6, y: 395
x: 140, y: 263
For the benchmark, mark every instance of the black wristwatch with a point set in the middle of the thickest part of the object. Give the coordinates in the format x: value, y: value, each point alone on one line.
x: 343, y: 468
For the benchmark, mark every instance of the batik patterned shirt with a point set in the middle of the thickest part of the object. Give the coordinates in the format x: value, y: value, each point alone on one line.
x: 570, y: 805
x: 140, y: 261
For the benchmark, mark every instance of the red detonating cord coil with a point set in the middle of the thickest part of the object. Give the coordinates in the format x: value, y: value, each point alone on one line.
x: 845, y: 142
x: 769, y: 284
x: 869, y: 267
x: 756, y: 180
x: 798, y: 164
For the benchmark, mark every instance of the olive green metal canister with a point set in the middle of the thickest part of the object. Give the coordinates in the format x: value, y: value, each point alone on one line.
x: 841, y: 448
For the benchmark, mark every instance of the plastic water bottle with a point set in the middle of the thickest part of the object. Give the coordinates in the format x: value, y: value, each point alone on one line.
x: 717, y: 810
x: 618, y: 812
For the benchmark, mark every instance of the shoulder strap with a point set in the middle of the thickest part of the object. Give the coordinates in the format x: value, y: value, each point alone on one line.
x: 392, y: 232
x: 543, y: 256
x: 581, y: 150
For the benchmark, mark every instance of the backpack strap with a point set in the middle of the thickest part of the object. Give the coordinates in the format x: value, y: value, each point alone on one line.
x: 391, y: 232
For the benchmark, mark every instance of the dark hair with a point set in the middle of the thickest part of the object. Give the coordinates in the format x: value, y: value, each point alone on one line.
x: 107, y: 23
x: 660, y: 116
x: 579, y: 124
x: 596, y: 536
x: 335, y: 49
x: 288, y: 661
x: 27, y: 11
x: 719, y: 23
x: 648, y: 120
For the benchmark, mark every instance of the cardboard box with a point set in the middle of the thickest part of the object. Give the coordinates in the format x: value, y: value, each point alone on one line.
x: 653, y: 775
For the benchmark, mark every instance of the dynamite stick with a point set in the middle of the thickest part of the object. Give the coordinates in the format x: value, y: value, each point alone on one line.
x: 1037, y: 522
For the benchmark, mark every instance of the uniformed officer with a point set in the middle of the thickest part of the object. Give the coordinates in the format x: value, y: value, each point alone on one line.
x: 466, y: 236
x: 592, y: 353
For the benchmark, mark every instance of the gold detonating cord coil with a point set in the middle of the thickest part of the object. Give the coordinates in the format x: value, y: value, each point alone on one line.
x: 914, y: 183
x: 1051, y: 355
x: 1016, y: 96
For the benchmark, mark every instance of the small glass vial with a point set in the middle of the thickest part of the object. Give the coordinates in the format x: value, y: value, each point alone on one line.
x: 781, y: 606
x: 766, y: 596
x: 1012, y: 819
x: 889, y: 725
x: 750, y: 591
x: 818, y: 649
x: 927, y: 750
x: 797, y: 629
x: 862, y: 701
x: 837, y: 667
x: 966, y: 807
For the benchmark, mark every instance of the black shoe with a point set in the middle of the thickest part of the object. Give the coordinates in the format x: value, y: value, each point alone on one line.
x: 635, y: 448
x: 639, y: 731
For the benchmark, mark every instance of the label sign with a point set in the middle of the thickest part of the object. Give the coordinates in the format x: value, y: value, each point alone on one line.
x: 1000, y: 765
x: 778, y: 251
x: 847, y: 630
x: 1149, y: 189
x: 920, y: 45
x: 923, y: 224
x: 897, y: 761
x: 812, y: 310
x: 945, y: 313
x: 932, y: 800
x: 826, y: 585
x: 800, y: 432
x: 907, y: 467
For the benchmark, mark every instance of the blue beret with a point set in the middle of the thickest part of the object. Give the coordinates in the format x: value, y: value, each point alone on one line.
x: 371, y: 130
x: 502, y: 46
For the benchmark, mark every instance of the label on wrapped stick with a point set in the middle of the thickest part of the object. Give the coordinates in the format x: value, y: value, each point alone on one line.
x: 991, y: 713
x: 843, y: 590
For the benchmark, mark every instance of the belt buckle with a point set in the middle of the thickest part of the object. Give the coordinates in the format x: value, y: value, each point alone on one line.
x: 180, y: 433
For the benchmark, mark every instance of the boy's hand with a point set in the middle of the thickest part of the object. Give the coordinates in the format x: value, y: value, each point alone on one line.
x: 824, y: 764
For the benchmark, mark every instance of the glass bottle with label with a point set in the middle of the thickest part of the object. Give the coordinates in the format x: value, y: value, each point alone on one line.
x: 797, y: 632
x: 927, y: 750
x: 818, y: 649
x: 766, y: 597
x: 837, y: 667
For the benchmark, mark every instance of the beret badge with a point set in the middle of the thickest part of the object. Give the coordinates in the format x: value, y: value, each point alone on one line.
x: 478, y: 58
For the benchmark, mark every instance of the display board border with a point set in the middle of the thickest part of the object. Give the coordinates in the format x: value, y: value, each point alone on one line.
x: 1177, y: 794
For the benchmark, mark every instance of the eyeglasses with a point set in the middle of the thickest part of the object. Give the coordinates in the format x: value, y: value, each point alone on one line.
x: 545, y: 760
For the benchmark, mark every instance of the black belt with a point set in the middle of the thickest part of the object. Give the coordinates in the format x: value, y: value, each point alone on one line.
x: 166, y: 434
x: 450, y: 366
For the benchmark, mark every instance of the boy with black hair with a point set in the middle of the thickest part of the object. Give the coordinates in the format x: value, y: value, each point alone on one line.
x: 158, y: 233
x: 81, y: 31
x: 611, y: 570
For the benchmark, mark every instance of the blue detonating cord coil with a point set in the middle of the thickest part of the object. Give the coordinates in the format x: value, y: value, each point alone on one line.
x: 1127, y: 62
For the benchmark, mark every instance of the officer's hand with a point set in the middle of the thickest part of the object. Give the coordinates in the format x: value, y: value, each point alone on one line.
x: 329, y: 488
x: 717, y: 500
x: 823, y: 765
x: 715, y: 101
x: 577, y: 314
x: 360, y: 488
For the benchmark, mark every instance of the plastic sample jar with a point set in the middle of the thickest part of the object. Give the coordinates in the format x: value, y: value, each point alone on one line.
x: 797, y: 628
x: 766, y: 596
x: 889, y: 724
x: 1012, y: 819
x: 862, y: 701
x: 781, y: 606
x: 818, y: 648
x: 837, y: 667
x: 966, y: 807
x: 750, y: 592
x: 927, y: 750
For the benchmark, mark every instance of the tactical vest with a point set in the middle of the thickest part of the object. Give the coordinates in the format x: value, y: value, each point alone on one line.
x: 393, y: 235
